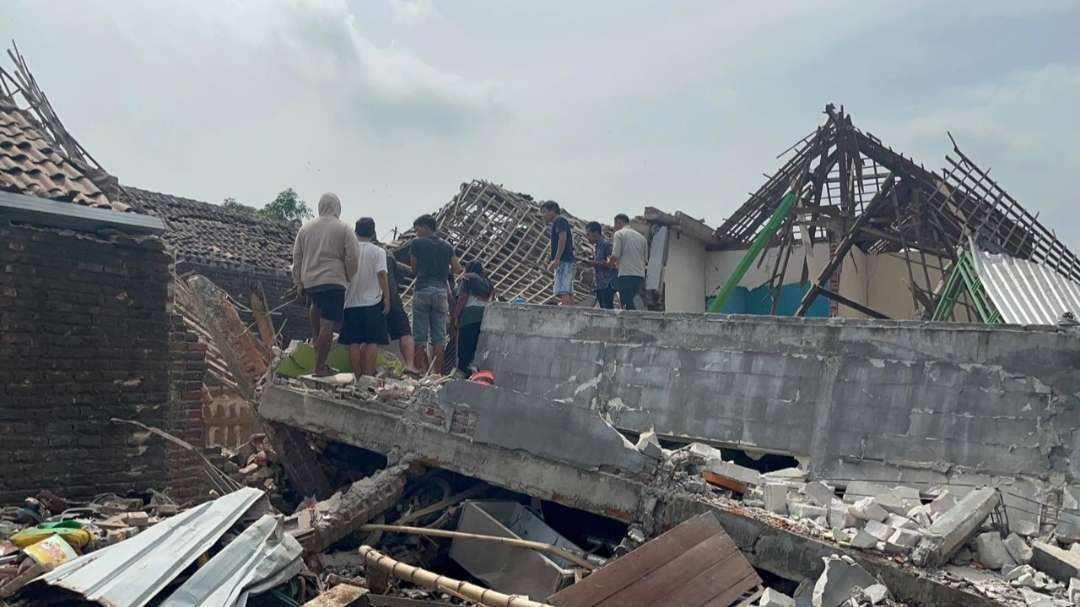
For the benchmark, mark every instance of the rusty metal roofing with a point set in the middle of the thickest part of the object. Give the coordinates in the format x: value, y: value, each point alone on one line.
x: 1025, y: 292
x: 202, y: 232
x: 31, y: 164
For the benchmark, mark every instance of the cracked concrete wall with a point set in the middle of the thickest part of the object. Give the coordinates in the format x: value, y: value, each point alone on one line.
x: 892, y: 401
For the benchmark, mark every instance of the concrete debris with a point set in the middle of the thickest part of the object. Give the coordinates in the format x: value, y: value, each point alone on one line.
x: 921, y: 515
x: 863, y: 539
x: 942, y: 503
x: 953, y: 528
x: 963, y: 556
x: 1016, y: 572
x: 775, y: 598
x: 787, y: 475
x: 876, y: 594
x: 868, y: 509
x: 992, y: 552
x: 775, y: 496
x: 1062, y: 565
x: 649, y: 444
x: 342, y: 595
x: 1074, y: 590
x: 804, y: 510
x: 731, y: 476
x: 840, y: 580
x: 840, y: 516
x: 880, y: 531
x: 900, y: 522
x: 905, y: 539
x: 820, y: 493
x: 320, y: 525
x: 1018, y: 548
x: 1024, y: 527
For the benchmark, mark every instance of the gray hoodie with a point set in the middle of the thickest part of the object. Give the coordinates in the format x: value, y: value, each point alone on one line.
x: 326, y: 251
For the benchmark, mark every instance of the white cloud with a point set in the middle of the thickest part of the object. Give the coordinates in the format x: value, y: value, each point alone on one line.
x: 411, y: 12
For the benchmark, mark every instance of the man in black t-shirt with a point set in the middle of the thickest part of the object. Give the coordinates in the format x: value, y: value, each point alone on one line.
x: 432, y: 260
x: 561, y: 261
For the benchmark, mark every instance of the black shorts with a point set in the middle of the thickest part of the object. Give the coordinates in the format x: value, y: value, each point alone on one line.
x: 364, y: 325
x: 329, y: 299
x: 397, y: 322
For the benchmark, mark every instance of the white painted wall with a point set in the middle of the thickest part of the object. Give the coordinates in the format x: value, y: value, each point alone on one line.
x: 684, y: 274
x: 720, y: 265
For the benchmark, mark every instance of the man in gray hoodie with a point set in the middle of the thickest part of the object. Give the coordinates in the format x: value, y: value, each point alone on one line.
x: 325, y: 256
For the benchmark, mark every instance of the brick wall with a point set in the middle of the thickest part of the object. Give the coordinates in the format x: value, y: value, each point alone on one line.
x: 84, y: 337
x: 237, y: 281
x: 184, y: 414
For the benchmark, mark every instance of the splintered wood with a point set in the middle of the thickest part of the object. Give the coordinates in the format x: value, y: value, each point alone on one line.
x: 694, y: 564
x: 506, y: 232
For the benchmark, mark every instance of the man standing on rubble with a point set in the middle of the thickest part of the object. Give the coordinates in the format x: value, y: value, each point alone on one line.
x: 367, y: 303
x: 432, y: 260
x: 397, y: 322
x: 325, y: 256
x: 605, y: 275
x: 562, y: 253
x: 628, y: 252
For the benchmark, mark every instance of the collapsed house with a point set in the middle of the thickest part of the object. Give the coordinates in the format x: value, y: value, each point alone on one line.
x: 849, y: 461
x: 867, y: 233
x: 506, y: 231
x: 868, y: 412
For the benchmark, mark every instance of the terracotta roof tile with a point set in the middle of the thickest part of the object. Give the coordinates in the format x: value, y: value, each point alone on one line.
x: 29, y: 164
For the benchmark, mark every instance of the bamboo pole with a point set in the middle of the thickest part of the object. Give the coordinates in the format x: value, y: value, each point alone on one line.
x: 423, y: 577
x: 538, y: 546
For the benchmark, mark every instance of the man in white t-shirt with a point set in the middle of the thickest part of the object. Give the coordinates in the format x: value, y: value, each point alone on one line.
x: 629, y: 253
x: 367, y: 302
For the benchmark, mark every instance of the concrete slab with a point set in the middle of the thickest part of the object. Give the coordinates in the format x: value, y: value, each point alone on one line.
x: 955, y: 526
x: 1062, y: 565
x: 441, y: 436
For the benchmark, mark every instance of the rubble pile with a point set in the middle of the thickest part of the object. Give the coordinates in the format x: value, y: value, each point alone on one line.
x: 958, y: 534
x: 48, y: 531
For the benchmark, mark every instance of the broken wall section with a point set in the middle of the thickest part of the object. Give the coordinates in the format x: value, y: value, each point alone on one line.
x: 84, y: 337
x: 911, y: 402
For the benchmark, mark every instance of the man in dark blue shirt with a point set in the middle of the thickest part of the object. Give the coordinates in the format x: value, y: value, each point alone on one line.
x: 602, y: 270
x: 562, y: 253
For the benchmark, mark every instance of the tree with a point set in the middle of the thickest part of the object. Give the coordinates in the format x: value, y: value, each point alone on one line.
x: 286, y: 206
x: 233, y: 205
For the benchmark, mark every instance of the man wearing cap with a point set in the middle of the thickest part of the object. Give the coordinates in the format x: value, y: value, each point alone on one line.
x: 325, y: 256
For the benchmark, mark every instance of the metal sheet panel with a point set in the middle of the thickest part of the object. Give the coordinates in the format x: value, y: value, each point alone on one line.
x: 1025, y: 292
x: 507, y: 568
x: 131, y: 573
x: 75, y: 216
x: 263, y: 556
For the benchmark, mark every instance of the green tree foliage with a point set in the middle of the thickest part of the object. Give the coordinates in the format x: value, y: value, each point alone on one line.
x: 232, y: 204
x: 287, y: 206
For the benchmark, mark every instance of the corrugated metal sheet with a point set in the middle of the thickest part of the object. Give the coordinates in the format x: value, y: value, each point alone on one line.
x: 260, y: 558
x: 131, y: 573
x: 1025, y: 292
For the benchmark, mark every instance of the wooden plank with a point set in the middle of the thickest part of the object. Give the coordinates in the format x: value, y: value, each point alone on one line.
x: 726, y: 583
x: 632, y: 567
x: 675, y: 575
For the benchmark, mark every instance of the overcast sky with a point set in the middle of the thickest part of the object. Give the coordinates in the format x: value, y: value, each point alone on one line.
x: 604, y: 106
